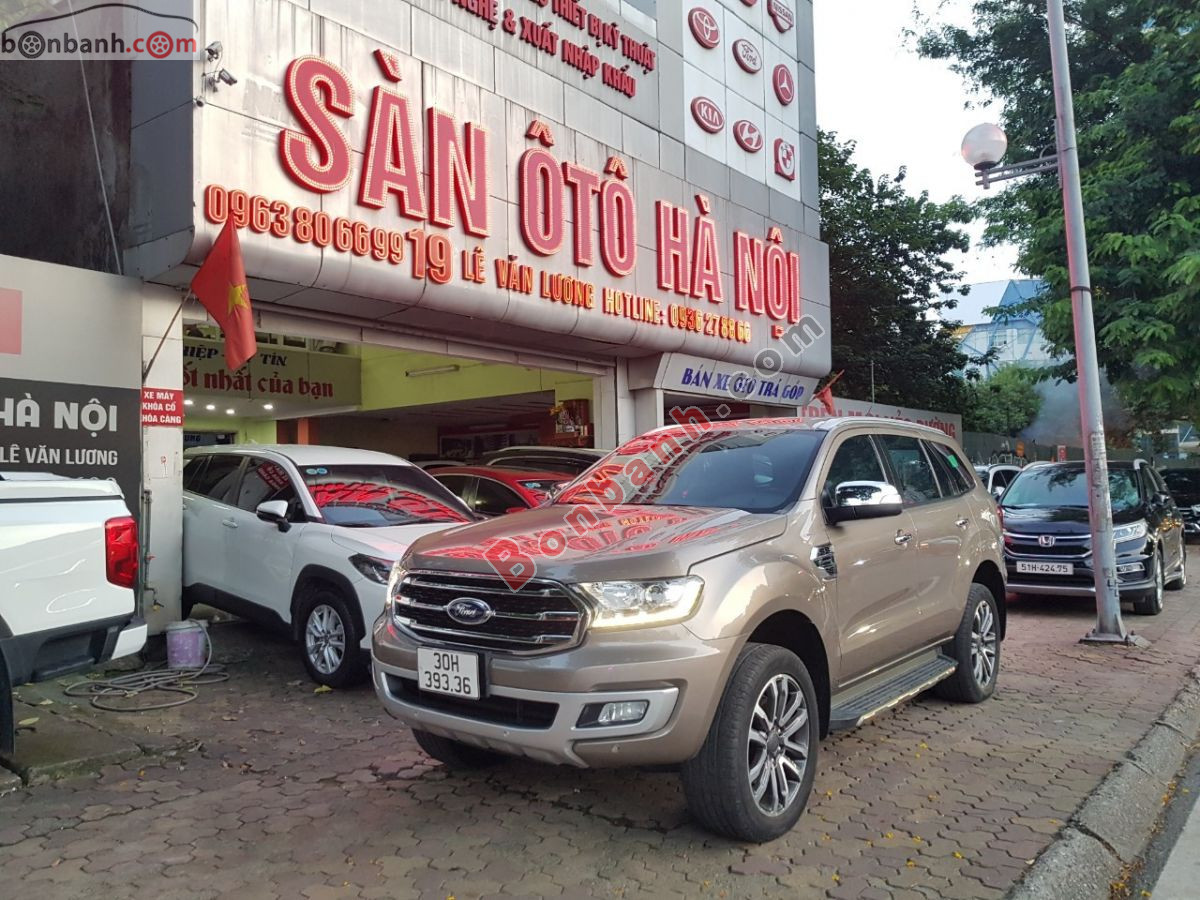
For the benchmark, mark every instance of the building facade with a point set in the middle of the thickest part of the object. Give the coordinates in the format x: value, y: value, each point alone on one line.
x: 463, y: 223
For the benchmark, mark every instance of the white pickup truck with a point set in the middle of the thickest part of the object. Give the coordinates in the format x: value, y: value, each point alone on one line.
x: 68, y: 572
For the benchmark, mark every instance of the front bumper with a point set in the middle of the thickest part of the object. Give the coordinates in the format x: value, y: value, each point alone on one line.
x: 1081, y: 583
x: 532, y: 705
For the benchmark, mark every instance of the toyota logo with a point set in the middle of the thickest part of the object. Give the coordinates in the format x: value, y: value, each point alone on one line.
x: 704, y: 27
x: 708, y: 115
x: 1046, y: 540
x: 748, y: 135
x: 784, y: 83
x: 469, y: 611
x: 782, y: 15
x: 785, y: 159
x: 747, y: 55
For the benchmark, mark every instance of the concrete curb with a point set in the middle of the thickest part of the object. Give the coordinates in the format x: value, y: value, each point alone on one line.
x: 1115, y: 823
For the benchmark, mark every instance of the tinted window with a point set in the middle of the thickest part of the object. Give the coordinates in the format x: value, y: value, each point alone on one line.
x: 457, y: 484
x: 1066, y: 486
x: 759, y: 470
x: 855, y: 460
x: 914, y: 475
x: 494, y: 499
x: 192, y: 470
x: 218, y: 478
x: 374, y: 496
x: 265, y: 480
x: 1182, y: 481
x: 1002, y: 478
x: 952, y: 472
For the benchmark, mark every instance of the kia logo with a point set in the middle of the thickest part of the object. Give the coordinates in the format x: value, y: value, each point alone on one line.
x: 1046, y: 540
x: 785, y: 84
x: 785, y: 159
x: 747, y: 55
x: 704, y: 27
x: 469, y: 611
x: 782, y: 15
x: 748, y: 135
x: 708, y: 115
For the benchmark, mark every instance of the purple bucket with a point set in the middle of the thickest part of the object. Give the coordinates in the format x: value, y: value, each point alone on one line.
x: 186, y: 645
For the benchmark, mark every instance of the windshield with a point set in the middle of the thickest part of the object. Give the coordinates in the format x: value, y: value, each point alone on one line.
x: 1067, y: 488
x: 758, y: 471
x: 1182, y: 481
x: 379, y: 496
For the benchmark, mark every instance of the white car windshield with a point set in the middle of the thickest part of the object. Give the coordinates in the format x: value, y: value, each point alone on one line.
x: 374, y: 496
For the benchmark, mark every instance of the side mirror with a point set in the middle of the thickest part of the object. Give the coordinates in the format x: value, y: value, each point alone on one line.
x: 275, y: 512
x: 864, y: 500
x: 998, y: 492
x: 1162, y: 499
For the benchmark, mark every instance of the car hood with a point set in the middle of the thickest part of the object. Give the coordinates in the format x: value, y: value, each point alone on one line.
x: 1059, y: 520
x: 387, y: 543
x: 619, y: 542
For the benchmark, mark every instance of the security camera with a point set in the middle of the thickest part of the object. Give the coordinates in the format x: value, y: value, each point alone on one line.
x: 226, y: 77
x: 213, y: 51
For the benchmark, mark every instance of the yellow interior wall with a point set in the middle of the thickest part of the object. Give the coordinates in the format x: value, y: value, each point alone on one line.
x: 386, y: 386
x: 249, y: 431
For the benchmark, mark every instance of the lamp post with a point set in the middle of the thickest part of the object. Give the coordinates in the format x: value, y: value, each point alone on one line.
x: 983, y: 148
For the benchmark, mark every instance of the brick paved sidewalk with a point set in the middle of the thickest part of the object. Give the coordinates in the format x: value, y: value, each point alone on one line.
x: 293, y: 794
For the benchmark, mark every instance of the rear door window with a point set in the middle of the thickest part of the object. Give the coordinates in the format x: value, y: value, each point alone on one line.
x: 219, y: 478
x: 914, y: 474
x: 495, y: 499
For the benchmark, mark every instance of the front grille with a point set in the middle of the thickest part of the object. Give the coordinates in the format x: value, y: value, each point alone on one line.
x: 497, y: 710
x: 1066, y: 547
x: 539, y: 617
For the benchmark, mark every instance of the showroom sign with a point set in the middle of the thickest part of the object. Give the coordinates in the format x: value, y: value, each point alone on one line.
x: 274, y: 373
x: 437, y: 176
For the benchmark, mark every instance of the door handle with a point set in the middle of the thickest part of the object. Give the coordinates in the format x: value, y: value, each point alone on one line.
x: 229, y: 523
x: 962, y: 523
x: 903, y: 537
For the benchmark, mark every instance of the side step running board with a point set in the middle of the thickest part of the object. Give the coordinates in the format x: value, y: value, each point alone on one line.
x: 856, y: 707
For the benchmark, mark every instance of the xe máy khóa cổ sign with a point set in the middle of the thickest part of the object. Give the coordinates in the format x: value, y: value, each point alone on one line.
x: 420, y: 183
x: 274, y: 373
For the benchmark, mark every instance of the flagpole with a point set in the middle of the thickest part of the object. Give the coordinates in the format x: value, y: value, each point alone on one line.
x: 150, y: 365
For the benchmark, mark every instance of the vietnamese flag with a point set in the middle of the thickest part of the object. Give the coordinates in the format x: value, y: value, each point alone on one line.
x: 221, y: 287
x: 825, y: 394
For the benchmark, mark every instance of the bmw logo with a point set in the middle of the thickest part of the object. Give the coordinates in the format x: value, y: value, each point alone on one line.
x: 469, y: 611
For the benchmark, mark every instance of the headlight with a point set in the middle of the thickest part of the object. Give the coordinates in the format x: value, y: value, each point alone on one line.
x: 372, y: 567
x: 393, y: 586
x: 1129, y: 532
x: 632, y: 604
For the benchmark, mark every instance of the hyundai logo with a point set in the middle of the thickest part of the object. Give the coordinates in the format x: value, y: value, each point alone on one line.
x: 1046, y: 540
x: 469, y: 611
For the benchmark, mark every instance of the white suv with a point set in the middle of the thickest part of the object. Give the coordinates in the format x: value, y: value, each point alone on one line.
x: 304, y: 537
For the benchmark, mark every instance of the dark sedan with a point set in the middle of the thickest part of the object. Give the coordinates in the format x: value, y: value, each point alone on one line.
x: 494, y: 491
x: 1184, y: 485
x: 1047, y: 540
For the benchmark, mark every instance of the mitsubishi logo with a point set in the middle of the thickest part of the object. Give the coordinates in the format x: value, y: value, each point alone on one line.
x: 1046, y: 540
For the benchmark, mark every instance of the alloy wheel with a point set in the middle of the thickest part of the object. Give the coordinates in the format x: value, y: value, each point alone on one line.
x: 325, y: 639
x: 983, y: 644
x: 777, y: 745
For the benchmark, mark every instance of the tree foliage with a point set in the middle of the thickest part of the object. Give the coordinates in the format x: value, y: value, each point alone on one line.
x: 1135, y: 67
x: 1006, y: 403
x: 889, y: 278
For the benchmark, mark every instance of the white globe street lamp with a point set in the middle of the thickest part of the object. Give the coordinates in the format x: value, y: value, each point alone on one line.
x: 984, y: 146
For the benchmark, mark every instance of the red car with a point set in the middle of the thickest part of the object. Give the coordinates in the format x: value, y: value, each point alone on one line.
x: 494, y: 491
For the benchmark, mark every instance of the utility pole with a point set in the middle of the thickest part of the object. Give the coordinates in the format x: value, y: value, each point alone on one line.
x: 1109, y: 627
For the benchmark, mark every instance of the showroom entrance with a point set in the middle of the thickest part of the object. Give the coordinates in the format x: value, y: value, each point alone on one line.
x: 421, y: 406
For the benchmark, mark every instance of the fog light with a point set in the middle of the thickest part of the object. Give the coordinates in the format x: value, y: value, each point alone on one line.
x: 626, y: 711
x: 1128, y: 568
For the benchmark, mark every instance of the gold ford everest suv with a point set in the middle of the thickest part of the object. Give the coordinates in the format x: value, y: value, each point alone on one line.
x: 717, y: 596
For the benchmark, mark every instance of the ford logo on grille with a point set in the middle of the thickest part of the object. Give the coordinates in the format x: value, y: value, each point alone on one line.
x: 469, y: 611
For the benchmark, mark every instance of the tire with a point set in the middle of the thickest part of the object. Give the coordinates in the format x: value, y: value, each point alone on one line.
x: 976, y: 642
x: 1150, y: 603
x: 455, y: 754
x: 329, y: 639
x: 1179, y: 582
x: 719, y: 781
